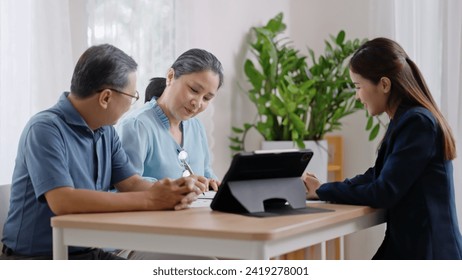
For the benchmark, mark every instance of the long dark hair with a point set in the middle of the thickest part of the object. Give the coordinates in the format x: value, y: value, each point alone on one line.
x: 191, y: 61
x: 383, y: 57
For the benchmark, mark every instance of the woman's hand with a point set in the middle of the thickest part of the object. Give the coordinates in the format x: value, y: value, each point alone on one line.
x: 209, y: 183
x: 214, y: 184
x: 311, y: 184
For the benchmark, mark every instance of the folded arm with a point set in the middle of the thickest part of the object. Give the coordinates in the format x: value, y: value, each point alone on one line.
x: 135, y: 195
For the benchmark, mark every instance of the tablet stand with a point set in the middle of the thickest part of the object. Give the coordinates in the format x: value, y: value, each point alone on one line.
x: 262, y: 194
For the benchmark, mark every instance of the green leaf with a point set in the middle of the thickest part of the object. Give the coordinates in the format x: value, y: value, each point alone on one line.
x: 374, y: 132
x: 247, y: 126
x: 254, y: 76
x: 237, y: 129
x: 235, y: 139
x: 295, y: 134
x: 275, y: 24
x: 370, y: 122
x: 300, y: 143
x: 299, y: 125
x: 236, y: 148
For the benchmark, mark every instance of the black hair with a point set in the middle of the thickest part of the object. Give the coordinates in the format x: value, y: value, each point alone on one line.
x: 155, y: 88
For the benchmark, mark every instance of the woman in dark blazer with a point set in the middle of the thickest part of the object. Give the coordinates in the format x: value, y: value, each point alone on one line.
x: 413, y: 177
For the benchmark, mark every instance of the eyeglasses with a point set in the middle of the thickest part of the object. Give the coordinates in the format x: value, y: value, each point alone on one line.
x: 135, y: 97
x: 182, y: 156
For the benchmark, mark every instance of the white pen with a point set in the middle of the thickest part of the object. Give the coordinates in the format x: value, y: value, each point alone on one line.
x: 182, y: 156
x: 186, y: 165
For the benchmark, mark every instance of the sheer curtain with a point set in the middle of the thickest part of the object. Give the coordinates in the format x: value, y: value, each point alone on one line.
x: 451, y: 88
x: 431, y: 33
x: 34, y: 69
x: 144, y: 29
x: 36, y: 52
x: 416, y: 25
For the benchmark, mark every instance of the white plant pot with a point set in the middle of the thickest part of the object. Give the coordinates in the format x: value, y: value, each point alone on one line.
x: 317, y: 165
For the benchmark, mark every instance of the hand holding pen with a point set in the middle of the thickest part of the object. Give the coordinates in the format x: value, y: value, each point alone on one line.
x: 182, y: 156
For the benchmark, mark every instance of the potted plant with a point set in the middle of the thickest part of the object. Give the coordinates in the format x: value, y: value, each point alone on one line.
x: 298, y: 98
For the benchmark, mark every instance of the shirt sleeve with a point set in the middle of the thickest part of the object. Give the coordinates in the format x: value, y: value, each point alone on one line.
x: 367, y: 177
x: 45, y: 157
x: 413, y: 147
x: 136, y: 142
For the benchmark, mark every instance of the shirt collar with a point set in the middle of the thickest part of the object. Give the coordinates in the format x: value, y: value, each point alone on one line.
x: 68, y: 112
x: 161, y: 114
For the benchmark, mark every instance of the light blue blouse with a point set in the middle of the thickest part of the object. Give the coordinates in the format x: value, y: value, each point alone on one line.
x: 152, y: 150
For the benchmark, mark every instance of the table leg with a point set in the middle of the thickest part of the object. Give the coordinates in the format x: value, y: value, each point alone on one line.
x: 59, y: 248
x: 323, y: 251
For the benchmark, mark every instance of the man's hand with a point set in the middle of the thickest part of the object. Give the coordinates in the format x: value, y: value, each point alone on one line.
x: 175, y: 194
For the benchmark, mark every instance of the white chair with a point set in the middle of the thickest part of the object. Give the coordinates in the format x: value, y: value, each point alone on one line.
x: 4, y: 206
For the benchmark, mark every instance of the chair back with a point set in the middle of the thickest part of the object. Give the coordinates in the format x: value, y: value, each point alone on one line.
x: 5, y: 191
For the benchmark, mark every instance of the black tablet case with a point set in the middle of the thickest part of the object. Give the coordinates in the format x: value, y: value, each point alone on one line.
x: 259, y: 184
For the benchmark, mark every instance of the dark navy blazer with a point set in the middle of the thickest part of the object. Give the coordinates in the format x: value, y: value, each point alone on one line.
x: 414, y: 183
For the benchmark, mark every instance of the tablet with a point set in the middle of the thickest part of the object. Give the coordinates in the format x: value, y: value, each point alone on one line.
x: 270, y: 177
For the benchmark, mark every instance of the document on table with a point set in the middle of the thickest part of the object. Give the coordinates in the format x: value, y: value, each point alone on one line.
x: 203, y: 200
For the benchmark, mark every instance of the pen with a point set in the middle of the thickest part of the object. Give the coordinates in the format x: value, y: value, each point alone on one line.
x: 182, y: 156
x: 186, y: 165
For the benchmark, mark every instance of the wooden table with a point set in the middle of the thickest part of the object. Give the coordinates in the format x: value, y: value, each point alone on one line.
x: 203, y: 232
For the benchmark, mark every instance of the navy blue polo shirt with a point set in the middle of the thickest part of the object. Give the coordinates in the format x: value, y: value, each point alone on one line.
x: 57, y: 148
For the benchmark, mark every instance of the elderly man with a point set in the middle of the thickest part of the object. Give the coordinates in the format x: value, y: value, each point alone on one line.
x: 69, y: 157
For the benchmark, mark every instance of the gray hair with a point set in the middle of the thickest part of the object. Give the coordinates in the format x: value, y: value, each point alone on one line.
x: 99, y: 67
x: 197, y: 60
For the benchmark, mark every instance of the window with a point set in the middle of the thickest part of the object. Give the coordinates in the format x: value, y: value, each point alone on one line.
x: 144, y: 29
x: 36, y: 45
